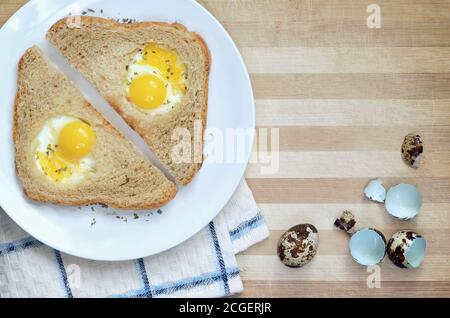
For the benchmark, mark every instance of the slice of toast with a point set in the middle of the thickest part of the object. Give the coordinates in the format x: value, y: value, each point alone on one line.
x: 122, y: 177
x: 101, y: 49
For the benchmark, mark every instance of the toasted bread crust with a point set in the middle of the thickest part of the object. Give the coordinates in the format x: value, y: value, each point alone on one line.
x: 134, y: 122
x: 87, y: 21
x: 36, y: 193
x: 36, y: 196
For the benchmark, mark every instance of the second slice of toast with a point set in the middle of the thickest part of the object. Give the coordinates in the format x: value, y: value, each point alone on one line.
x: 101, y: 49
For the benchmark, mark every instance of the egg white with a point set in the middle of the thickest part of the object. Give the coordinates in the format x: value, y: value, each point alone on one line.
x: 172, y: 98
x: 49, y: 135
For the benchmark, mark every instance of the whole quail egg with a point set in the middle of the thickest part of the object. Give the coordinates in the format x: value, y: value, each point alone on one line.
x: 298, y: 245
x: 403, y: 201
x: 406, y: 249
x: 412, y: 149
x: 367, y: 246
x: 375, y: 191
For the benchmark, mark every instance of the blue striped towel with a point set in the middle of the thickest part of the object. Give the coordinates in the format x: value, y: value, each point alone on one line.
x: 203, y: 266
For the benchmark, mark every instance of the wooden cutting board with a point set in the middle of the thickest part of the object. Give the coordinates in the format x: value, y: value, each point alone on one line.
x: 343, y: 96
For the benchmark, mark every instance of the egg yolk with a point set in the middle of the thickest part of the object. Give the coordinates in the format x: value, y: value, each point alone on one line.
x: 148, y: 91
x: 53, y: 166
x: 76, y: 140
x: 166, y: 61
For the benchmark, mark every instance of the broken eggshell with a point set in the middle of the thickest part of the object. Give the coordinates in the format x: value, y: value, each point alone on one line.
x: 298, y: 245
x: 406, y: 249
x: 412, y: 149
x: 403, y: 201
x: 367, y: 246
x: 375, y: 191
x: 346, y: 222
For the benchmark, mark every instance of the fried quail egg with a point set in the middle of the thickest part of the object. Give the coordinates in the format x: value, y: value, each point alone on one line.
x: 156, y: 80
x: 62, y: 150
x: 375, y: 191
x: 412, y: 149
x: 367, y: 246
x: 406, y: 249
x: 298, y: 245
x: 403, y: 201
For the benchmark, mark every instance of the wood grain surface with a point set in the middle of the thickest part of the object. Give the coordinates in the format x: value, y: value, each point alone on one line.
x: 343, y: 96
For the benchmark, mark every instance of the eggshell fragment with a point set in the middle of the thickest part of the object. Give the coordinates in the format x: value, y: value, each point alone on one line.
x: 403, y: 201
x: 406, y: 249
x: 346, y: 222
x: 367, y: 246
x: 412, y: 149
x: 298, y: 245
x: 375, y: 191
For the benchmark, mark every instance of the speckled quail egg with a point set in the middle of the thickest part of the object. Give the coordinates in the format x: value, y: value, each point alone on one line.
x: 375, y: 191
x: 367, y: 246
x: 403, y: 201
x: 412, y: 149
x: 298, y: 245
x: 406, y: 249
x: 346, y: 222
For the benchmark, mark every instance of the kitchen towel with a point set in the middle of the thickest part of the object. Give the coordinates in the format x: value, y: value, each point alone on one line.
x: 203, y: 266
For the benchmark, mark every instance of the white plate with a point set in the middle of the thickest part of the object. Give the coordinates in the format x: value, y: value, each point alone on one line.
x: 69, y: 228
